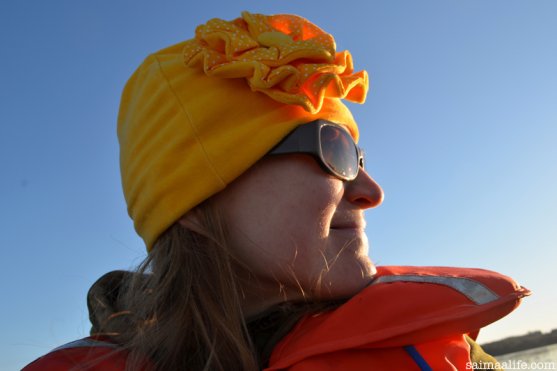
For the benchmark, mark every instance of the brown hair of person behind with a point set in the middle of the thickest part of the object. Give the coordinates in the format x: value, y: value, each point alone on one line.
x: 186, y: 309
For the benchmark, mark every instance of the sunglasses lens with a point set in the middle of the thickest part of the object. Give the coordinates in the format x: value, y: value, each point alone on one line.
x: 339, y: 152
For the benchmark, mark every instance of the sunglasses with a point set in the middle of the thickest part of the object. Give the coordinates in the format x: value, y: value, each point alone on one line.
x: 329, y: 143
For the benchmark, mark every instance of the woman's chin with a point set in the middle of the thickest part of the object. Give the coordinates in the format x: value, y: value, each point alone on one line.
x: 348, y: 281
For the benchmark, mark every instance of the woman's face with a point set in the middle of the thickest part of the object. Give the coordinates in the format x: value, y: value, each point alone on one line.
x: 300, y: 230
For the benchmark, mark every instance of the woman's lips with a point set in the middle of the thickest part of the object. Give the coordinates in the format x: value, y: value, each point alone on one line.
x: 349, y: 225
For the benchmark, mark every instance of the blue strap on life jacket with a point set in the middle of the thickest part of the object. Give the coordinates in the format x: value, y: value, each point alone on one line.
x: 417, y: 357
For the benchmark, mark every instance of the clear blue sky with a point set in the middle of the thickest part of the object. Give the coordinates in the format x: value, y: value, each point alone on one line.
x: 460, y: 129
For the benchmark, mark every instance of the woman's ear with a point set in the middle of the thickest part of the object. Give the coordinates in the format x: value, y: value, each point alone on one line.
x: 200, y: 218
x: 189, y: 219
x: 195, y: 219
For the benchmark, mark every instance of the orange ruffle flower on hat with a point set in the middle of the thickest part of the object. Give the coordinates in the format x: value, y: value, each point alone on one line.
x: 284, y: 56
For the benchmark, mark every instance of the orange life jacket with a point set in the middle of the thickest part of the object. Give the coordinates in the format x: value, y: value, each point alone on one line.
x: 408, y: 318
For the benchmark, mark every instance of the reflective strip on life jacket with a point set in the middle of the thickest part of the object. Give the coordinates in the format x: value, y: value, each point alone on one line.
x: 91, y: 354
x: 473, y: 290
x: 86, y: 343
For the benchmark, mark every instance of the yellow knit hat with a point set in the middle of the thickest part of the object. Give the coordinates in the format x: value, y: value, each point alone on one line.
x: 196, y: 115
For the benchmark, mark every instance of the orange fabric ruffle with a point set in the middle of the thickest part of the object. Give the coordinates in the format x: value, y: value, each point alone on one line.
x: 284, y: 56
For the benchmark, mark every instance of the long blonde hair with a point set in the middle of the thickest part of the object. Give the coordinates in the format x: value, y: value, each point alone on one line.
x: 185, y: 302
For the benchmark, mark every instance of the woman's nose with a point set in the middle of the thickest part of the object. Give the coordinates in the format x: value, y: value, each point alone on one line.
x: 364, y: 191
